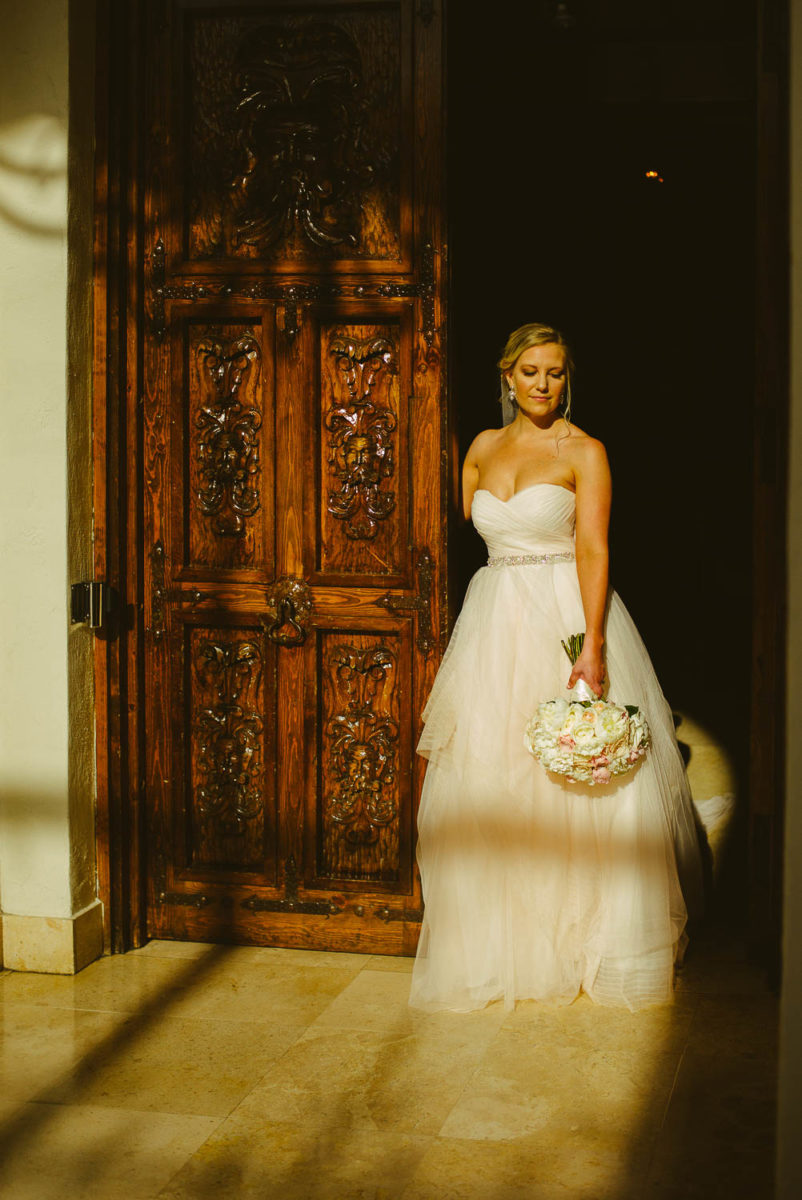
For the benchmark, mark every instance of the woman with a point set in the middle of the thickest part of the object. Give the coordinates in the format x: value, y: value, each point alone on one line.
x: 533, y: 887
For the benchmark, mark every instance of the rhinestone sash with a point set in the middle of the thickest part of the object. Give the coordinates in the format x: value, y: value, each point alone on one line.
x: 525, y: 560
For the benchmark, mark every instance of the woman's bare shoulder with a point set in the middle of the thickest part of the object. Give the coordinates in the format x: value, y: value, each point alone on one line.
x: 588, y: 450
x: 484, y: 443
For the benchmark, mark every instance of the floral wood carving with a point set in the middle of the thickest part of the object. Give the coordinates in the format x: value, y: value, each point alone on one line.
x: 228, y: 449
x: 363, y: 744
x: 301, y: 115
x: 361, y: 451
x: 229, y: 735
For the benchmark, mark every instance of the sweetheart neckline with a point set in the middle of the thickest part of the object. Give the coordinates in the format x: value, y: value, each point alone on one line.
x: 530, y: 487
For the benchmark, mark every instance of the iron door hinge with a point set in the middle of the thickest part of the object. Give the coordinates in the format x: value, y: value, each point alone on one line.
x: 92, y: 604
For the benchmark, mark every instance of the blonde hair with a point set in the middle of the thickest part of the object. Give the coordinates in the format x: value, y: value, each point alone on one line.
x: 538, y: 335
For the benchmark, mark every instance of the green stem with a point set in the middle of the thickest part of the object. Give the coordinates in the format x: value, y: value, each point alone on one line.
x: 573, y: 648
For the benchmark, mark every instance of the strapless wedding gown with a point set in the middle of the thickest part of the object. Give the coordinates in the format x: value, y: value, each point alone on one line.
x: 534, y: 888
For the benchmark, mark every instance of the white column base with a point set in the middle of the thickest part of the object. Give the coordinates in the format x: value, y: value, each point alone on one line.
x: 52, y: 945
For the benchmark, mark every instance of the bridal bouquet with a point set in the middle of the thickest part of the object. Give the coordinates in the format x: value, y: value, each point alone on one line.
x: 586, y: 739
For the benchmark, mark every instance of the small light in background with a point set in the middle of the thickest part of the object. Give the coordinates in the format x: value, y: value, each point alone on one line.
x: 656, y: 176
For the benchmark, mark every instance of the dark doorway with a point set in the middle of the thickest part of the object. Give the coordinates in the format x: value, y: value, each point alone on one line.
x: 602, y: 179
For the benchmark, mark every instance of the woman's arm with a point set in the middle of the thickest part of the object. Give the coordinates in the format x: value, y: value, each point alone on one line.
x: 593, y: 499
x: 470, y: 475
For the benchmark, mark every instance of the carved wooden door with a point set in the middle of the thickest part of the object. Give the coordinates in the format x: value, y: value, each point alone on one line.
x: 291, y: 443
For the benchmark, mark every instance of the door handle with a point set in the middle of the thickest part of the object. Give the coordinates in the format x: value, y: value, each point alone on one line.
x: 291, y: 599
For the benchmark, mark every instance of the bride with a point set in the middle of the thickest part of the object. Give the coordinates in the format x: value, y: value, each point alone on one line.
x: 534, y: 887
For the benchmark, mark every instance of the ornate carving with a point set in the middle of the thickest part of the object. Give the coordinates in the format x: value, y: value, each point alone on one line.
x: 291, y: 902
x: 421, y: 604
x: 292, y: 601
x: 229, y: 757
x: 361, y: 453
x: 228, y: 449
x: 300, y: 116
x: 362, y: 745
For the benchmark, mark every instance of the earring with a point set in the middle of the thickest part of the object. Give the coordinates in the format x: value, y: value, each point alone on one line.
x: 511, y: 396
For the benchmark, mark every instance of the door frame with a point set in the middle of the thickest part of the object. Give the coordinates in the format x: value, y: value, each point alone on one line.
x: 118, y: 255
x: 117, y: 534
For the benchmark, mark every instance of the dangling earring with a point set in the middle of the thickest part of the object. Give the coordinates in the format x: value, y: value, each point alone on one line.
x: 511, y: 396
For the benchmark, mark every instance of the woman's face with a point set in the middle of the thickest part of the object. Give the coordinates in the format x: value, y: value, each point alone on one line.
x: 539, y: 379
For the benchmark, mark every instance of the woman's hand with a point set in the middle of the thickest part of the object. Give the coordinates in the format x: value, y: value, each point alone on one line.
x: 590, y: 667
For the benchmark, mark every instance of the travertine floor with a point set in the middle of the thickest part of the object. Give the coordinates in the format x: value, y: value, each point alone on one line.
x: 189, y: 1072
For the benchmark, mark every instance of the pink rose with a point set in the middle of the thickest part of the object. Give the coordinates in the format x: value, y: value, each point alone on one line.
x: 634, y: 755
x: 567, y: 740
x: 601, y: 775
x: 601, y: 760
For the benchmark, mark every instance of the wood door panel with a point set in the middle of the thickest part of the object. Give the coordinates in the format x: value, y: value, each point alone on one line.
x: 363, y: 466
x: 293, y: 128
x: 229, y: 714
x: 363, y: 802
x: 224, y: 387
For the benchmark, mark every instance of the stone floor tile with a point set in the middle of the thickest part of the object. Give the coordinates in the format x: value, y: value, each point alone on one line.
x: 378, y: 1000
x: 526, y: 1086
x: 586, y: 1166
x: 275, y: 955
x: 266, y: 991
x: 408, y: 1082
x: 720, y: 971
x: 717, y: 1141
x: 401, y: 964
x: 255, y: 955
x: 246, y: 1160
x: 96, y: 1153
x: 159, y: 948
x: 39, y: 1045
x: 117, y: 983
x: 737, y: 1025
x: 179, y: 1066
x: 589, y: 1024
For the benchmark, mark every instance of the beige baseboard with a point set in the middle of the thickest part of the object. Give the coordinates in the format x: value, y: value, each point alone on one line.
x: 52, y: 945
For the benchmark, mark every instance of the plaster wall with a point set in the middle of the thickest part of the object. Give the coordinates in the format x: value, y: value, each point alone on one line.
x: 47, y: 867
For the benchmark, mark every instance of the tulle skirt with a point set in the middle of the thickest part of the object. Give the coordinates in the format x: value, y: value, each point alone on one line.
x: 535, y: 888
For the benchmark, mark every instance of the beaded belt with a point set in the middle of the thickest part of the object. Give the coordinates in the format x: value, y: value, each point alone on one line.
x: 524, y: 560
